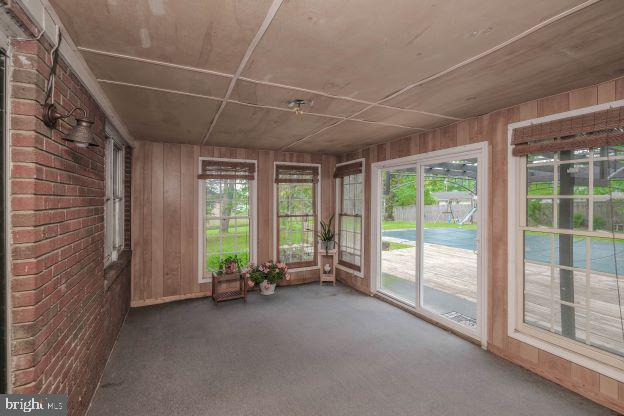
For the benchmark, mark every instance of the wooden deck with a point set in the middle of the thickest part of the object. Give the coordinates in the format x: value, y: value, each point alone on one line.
x: 450, y: 270
x: 454, y: 271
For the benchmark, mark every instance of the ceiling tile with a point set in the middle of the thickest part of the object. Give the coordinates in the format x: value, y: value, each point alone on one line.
x: 349, y: 135
x: 250, y: 92
x: 162, y: 116
x: 158, y: 76
x: 577, y: 51
x: 404, y: 118
x: 263, y: 128
x: 206, y: 34
x: 363, y: 49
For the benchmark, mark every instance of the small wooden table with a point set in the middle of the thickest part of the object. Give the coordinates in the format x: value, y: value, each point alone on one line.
x: 330, y: 257
x: 230, y: 293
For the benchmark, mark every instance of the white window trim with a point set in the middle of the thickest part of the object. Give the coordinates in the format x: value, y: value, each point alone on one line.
x: 470, y: 150
x: 111, y: 253
x: 200, y: 216
x: 590, y: 357
x: 318, y: 213
x: 337, y: 214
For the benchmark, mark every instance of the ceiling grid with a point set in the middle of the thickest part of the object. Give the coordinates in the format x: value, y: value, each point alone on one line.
x: 229, y: 68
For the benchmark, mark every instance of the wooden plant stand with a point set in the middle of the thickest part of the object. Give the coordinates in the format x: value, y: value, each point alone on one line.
x: 331, y: 258
x: 230, y: 293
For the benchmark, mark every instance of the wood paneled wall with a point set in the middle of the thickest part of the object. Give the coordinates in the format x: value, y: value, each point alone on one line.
x: 165, y: 221
x: 493, y: 129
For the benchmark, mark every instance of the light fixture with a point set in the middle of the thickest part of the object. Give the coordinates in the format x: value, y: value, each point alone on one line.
x: 81, y: 132
x: 297, y: 103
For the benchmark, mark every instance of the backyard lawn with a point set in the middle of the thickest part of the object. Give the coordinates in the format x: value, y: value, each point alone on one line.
x: 401, y: 225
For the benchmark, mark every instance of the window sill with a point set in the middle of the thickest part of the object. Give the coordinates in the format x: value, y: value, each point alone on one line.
x: 567, y: 354
x: 348, y: 270
x: 113, y: 270
x: 303, y: 269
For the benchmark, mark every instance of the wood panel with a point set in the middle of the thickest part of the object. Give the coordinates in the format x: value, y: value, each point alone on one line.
x: 172, y: 221
x: 165, y: 219
x: 156, y: 225
x: 493, y: 129
x: 137, y: 221
x: 188, y: 209
x: 146, y: 187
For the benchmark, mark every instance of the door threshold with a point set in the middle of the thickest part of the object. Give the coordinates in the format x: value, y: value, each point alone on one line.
x: 419, y: 314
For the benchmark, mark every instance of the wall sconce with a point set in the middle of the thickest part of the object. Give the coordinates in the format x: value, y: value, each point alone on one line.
x: 81, y: 132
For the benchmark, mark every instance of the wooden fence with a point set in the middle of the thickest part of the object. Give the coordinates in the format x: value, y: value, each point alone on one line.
x: 434, y: 213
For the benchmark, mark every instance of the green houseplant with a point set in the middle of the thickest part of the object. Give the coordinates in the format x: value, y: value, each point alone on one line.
x: 327, y: 235
x: 266, y: 276
x: 230, y: 264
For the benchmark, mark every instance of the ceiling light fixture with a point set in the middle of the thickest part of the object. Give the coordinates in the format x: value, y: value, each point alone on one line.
x: 297, y: 103
x: 81, y: 133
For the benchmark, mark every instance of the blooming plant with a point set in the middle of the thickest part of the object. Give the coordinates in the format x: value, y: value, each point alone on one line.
x: 270, y: 272
x: 230, y: 264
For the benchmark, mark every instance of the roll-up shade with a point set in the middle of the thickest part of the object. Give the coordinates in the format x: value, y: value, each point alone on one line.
x: 296, y: 174
x: 220, y: 169
x: 602, y: 128
x: 348, y: 169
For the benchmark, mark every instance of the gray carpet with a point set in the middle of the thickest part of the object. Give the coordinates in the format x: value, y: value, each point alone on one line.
x: 311, y: 350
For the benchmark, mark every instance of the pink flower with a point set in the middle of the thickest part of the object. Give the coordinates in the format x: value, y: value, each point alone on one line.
x: 250, y: 283
x: 287, y: 276
x: 267, y: 284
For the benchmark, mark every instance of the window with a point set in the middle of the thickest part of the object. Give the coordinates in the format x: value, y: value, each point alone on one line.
x: 228, y: 189
x: 350, y: 196
x: 296, y: 193
x: 574, y: 208
x: 570, y: 236
x: 114, y: 201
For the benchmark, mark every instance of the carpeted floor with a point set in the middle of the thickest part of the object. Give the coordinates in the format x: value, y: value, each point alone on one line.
x: 311, y: 350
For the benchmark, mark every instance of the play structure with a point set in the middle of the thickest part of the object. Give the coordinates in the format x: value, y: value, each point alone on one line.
x: 459, y: 207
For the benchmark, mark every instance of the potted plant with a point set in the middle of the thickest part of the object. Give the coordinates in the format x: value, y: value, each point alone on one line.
x: 230, y: 265
x: 267, y: 275
x: 326, y: 235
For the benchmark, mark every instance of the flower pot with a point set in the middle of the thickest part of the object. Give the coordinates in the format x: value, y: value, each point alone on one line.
x: 267, y: 288
x: 327, y: 245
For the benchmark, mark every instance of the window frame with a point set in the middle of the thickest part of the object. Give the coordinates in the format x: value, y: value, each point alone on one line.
x: 315, y: 263
x: 253, y: 216
x: 585, y: 355
x: 345, y: 266
x: 114, y: 202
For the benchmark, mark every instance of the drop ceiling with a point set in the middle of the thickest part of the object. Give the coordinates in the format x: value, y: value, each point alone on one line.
x: 221, y: 72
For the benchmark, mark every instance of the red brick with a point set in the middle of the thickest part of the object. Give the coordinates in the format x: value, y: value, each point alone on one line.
x: 63, y: 323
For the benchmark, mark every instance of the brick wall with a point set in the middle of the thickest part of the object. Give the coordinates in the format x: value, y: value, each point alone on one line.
x: 65, y: 310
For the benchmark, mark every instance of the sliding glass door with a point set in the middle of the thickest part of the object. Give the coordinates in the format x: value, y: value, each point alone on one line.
x: 398, y: 224
x: 428, y: 241
x: 450, y: 248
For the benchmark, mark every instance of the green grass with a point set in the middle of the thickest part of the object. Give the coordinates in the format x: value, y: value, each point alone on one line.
x: 401, y: 225
x: 236, y: 238
x: 398, y: 246
x: 398, y: 225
